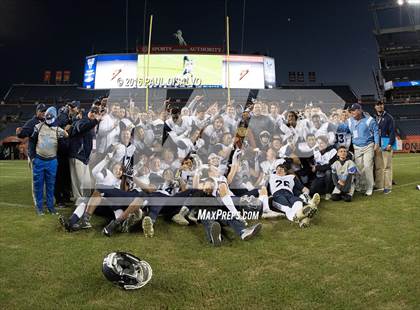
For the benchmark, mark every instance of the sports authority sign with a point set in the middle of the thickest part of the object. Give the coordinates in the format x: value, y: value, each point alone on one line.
x: 196, y: 49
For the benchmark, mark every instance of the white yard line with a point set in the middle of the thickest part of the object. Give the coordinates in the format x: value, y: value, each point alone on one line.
x: 406, y: 157
x: 7, y: 204
x: 404, y: 164
x: 407, y: 184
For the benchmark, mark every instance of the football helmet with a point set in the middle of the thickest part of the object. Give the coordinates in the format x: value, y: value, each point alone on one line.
x: 126, y: 270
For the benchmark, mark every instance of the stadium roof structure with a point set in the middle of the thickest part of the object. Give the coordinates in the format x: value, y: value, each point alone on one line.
x: 345, y: 92
x: 30, y: 93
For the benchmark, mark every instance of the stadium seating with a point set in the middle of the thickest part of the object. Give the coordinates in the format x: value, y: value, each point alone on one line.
x: 23, y: 93
x: 409, y: 127
x: 7, y: 130
x: 398, y: 111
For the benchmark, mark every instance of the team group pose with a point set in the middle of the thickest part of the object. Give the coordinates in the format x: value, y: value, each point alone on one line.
x: 204, y: 163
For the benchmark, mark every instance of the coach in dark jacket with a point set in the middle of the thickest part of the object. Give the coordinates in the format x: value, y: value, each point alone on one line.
x: 383, y: 156
x: 81, y: 136
x: 62, y: 192
x: 28, y: 128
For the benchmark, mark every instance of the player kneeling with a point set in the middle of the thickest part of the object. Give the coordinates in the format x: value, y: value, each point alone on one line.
x: 343, y: 172
x: 285, y: 189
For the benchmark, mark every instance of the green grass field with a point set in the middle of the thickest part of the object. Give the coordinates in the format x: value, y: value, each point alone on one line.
x: 362, y: 255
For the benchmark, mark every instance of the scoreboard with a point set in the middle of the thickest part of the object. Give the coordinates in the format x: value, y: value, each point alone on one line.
x: 110, y: 71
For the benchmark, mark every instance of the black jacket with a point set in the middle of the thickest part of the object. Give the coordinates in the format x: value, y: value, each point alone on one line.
x: 81, y: 136
x: 28, y: 128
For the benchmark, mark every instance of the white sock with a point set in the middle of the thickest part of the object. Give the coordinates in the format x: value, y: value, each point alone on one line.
x: 290, y: 213
x: 118, y: 213
x: 264, y: 200
x: 228, y: 202
x: 80, y: 210
x: 296, y: 206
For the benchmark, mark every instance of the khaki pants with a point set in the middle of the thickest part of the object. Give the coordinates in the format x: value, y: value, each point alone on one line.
x: 363, y: 157
x: 383, y: 169
x: 80, y: 180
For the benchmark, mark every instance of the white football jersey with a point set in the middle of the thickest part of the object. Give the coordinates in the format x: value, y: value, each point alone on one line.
x: 277, y: 183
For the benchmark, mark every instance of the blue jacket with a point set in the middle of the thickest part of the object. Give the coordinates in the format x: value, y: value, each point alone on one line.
x: 386, y: 127
x: 81, y: 137
x: 28, y: 127
x: 363, y: 132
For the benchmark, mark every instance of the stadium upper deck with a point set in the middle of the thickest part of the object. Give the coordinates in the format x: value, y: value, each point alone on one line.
x: 397, y: 32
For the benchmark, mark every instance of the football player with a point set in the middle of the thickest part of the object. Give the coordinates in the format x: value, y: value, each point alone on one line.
x: 343, y: 173
x: 285, y: 189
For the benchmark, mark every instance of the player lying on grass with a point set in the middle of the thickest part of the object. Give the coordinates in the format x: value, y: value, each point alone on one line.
x: 237, y: 181
x: 343, y: 175
x: 107, y: 186
x: 164, y: 197
x: 213, y: 223
x: 285, y: 189
x: 223, y: 184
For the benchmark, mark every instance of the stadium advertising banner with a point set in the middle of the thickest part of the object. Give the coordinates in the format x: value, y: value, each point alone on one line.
x: 89, y: 72
x: 406, y: 84
x: 269, y: 72
x: 244, y: 72
x: 180, y: 71
x: 111, y: 71
x: 116, y: 71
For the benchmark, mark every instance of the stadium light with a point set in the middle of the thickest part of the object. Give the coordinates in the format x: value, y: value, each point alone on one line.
x: 409, y: 2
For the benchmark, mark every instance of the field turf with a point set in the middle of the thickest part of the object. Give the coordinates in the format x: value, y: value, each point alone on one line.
x: 362, y: 255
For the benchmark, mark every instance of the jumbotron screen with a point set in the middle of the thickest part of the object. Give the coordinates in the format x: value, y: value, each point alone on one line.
x: 178, y: 70
x: 110, y: 71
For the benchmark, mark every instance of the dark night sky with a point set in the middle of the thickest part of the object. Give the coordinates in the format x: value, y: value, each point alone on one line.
x: 333, y: 38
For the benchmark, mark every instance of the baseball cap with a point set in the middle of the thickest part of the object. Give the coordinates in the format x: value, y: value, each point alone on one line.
x: 74, y: 104
x: 355, y: 106
x: 41, y: 107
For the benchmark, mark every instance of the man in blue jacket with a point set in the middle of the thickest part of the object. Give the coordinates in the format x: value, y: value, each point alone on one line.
x: 43, y: 146
x: 383, y: 156
x: 81, y: 136
x: 365, y: 138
